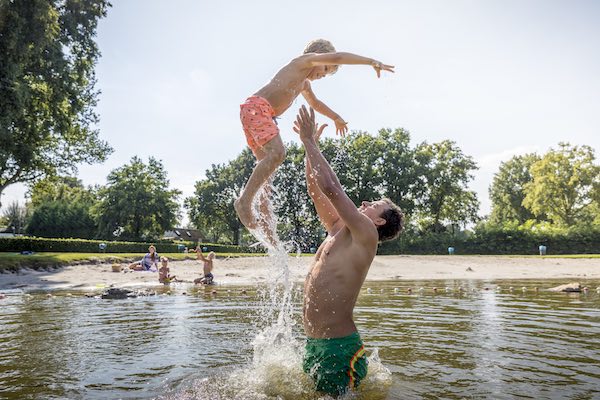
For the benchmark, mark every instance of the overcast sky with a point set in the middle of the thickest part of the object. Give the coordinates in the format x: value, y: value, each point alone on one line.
x: 500, y: 78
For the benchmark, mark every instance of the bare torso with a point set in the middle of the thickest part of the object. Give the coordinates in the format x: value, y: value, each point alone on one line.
x: 332, y: 285
x: 208, y: 267
x: 163, y: 273
x: 286, y: 85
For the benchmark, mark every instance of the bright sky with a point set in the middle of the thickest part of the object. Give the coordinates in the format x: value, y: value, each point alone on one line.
x: 500, y: 77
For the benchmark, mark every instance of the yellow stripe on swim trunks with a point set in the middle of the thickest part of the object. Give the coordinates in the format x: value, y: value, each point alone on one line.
x: 355, y: 357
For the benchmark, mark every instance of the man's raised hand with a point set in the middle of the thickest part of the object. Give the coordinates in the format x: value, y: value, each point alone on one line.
x: 305, y: 124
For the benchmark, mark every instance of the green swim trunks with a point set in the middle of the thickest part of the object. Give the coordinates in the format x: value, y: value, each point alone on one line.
x: 336, y: 364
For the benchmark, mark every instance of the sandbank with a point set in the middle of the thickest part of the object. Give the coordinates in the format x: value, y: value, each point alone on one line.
x: 249, y: 271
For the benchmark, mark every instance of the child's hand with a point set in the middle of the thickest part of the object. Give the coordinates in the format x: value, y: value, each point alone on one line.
x: 341, y: 127
x: 378, y: 66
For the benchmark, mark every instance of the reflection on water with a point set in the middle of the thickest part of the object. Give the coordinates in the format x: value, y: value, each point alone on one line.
x: 475, y: 344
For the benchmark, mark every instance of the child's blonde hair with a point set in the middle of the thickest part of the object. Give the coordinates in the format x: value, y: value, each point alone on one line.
x: 319, y: 46
x: 211, y: 255
x: 164, y: 259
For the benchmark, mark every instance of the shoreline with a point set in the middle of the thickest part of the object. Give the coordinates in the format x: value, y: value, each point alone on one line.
x: 252, y: 271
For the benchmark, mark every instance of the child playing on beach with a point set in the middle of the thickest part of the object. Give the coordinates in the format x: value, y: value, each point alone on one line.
x: 163, y: 272
x: 208, y: 277
x: 259, y: 111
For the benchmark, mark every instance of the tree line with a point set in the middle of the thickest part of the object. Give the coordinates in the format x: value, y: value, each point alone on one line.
x: 430, y: 181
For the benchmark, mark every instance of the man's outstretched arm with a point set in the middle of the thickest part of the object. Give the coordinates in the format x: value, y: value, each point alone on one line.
x: 327, y: 180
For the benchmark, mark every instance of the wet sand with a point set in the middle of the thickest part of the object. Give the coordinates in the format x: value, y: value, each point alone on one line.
x: 255, y: 270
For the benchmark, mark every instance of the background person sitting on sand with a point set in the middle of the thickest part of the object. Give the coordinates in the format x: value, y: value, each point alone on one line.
x: 148, y: 262
x: 207, y: 279
x: 163, y: 272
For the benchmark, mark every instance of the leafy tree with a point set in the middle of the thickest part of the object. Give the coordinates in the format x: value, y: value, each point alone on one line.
x: 564, y: 185
x: 296, y: 213
x: 507, y: 191
x: 15, y: 217
x: 358, y: 166
x: 47, y: 94
x: 66, y: 188
x: 136, y: 204
x: 211, y: 208
x: 402, y: 180
x: 430, y: 179
x: 445, y: 199
x: 60, y: 218
x: 62, y: 207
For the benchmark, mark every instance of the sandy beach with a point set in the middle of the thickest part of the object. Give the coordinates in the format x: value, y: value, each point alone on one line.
x: 256, y: 270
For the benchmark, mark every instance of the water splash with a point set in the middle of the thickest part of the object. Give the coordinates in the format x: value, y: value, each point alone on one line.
x: 275, y: 371
x: 277, y: 375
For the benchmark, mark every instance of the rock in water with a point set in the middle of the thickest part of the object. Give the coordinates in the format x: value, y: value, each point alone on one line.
x: 569, y: 287
x: 116, y: 293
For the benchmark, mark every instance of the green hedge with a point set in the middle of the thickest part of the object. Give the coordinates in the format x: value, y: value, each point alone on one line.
x: 20, y: 243
x: 514, y: 241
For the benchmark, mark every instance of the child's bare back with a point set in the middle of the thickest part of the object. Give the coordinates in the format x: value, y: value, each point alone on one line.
x: 287, y: 84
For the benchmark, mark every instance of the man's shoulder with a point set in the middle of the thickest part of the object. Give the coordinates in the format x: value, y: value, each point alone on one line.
x: 365, y: 237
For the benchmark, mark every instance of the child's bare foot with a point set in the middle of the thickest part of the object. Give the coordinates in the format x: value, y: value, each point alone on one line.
x: 244, y: 212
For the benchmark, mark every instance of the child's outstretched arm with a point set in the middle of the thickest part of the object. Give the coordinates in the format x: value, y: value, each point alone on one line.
x: 342, y: 58
x: 199, y: 254
x: 341, y: 127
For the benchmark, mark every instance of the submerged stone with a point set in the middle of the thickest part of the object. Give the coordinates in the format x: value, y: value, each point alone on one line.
x: 569, y: 287
x: 117, y: 293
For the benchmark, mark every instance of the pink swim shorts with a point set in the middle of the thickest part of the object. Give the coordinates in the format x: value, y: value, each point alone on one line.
x: 258, y: 122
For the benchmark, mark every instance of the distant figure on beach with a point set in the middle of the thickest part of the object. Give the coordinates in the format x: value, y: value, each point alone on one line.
x: 335, y: 355
x: 208, y: 277
x: 259, y: 111
x: 148, y: 263
x: 163, y: 272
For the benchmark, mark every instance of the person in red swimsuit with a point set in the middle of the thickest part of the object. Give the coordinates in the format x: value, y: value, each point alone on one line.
x: 257, y: 114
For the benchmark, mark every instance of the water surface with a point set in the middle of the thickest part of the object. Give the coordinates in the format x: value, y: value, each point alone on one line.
x: 473, y: 344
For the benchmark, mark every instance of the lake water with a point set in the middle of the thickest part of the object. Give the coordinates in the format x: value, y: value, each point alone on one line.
x: 478, y: 344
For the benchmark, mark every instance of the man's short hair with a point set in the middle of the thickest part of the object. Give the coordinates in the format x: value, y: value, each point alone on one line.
x: 394, y: 222
x: 319, y: 46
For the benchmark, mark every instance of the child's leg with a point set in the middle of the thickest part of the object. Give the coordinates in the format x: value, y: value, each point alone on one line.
x: 267, y: 221
x: 269, y: 158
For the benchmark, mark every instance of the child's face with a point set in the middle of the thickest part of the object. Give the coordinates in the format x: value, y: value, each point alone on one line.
x: 322, y: 71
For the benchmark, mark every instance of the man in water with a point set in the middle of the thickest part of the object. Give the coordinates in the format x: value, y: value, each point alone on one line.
x: 335, y: 356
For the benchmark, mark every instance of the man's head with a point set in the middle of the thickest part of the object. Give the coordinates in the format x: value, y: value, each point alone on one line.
x: 321, y: 46
x: 387, y: 217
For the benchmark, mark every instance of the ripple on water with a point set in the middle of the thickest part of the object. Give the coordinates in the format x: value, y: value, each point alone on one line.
x: 484, y: 344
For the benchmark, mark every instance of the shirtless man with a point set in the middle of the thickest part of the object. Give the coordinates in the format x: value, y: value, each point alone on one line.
x: 335, y: 356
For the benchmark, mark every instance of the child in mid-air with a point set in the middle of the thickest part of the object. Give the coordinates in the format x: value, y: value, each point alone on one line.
x: 163, y: 272
x: 259, y: 111
x: 207, y: 279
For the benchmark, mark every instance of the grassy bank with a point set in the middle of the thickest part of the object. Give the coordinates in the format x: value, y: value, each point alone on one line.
x: 16, y: 261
